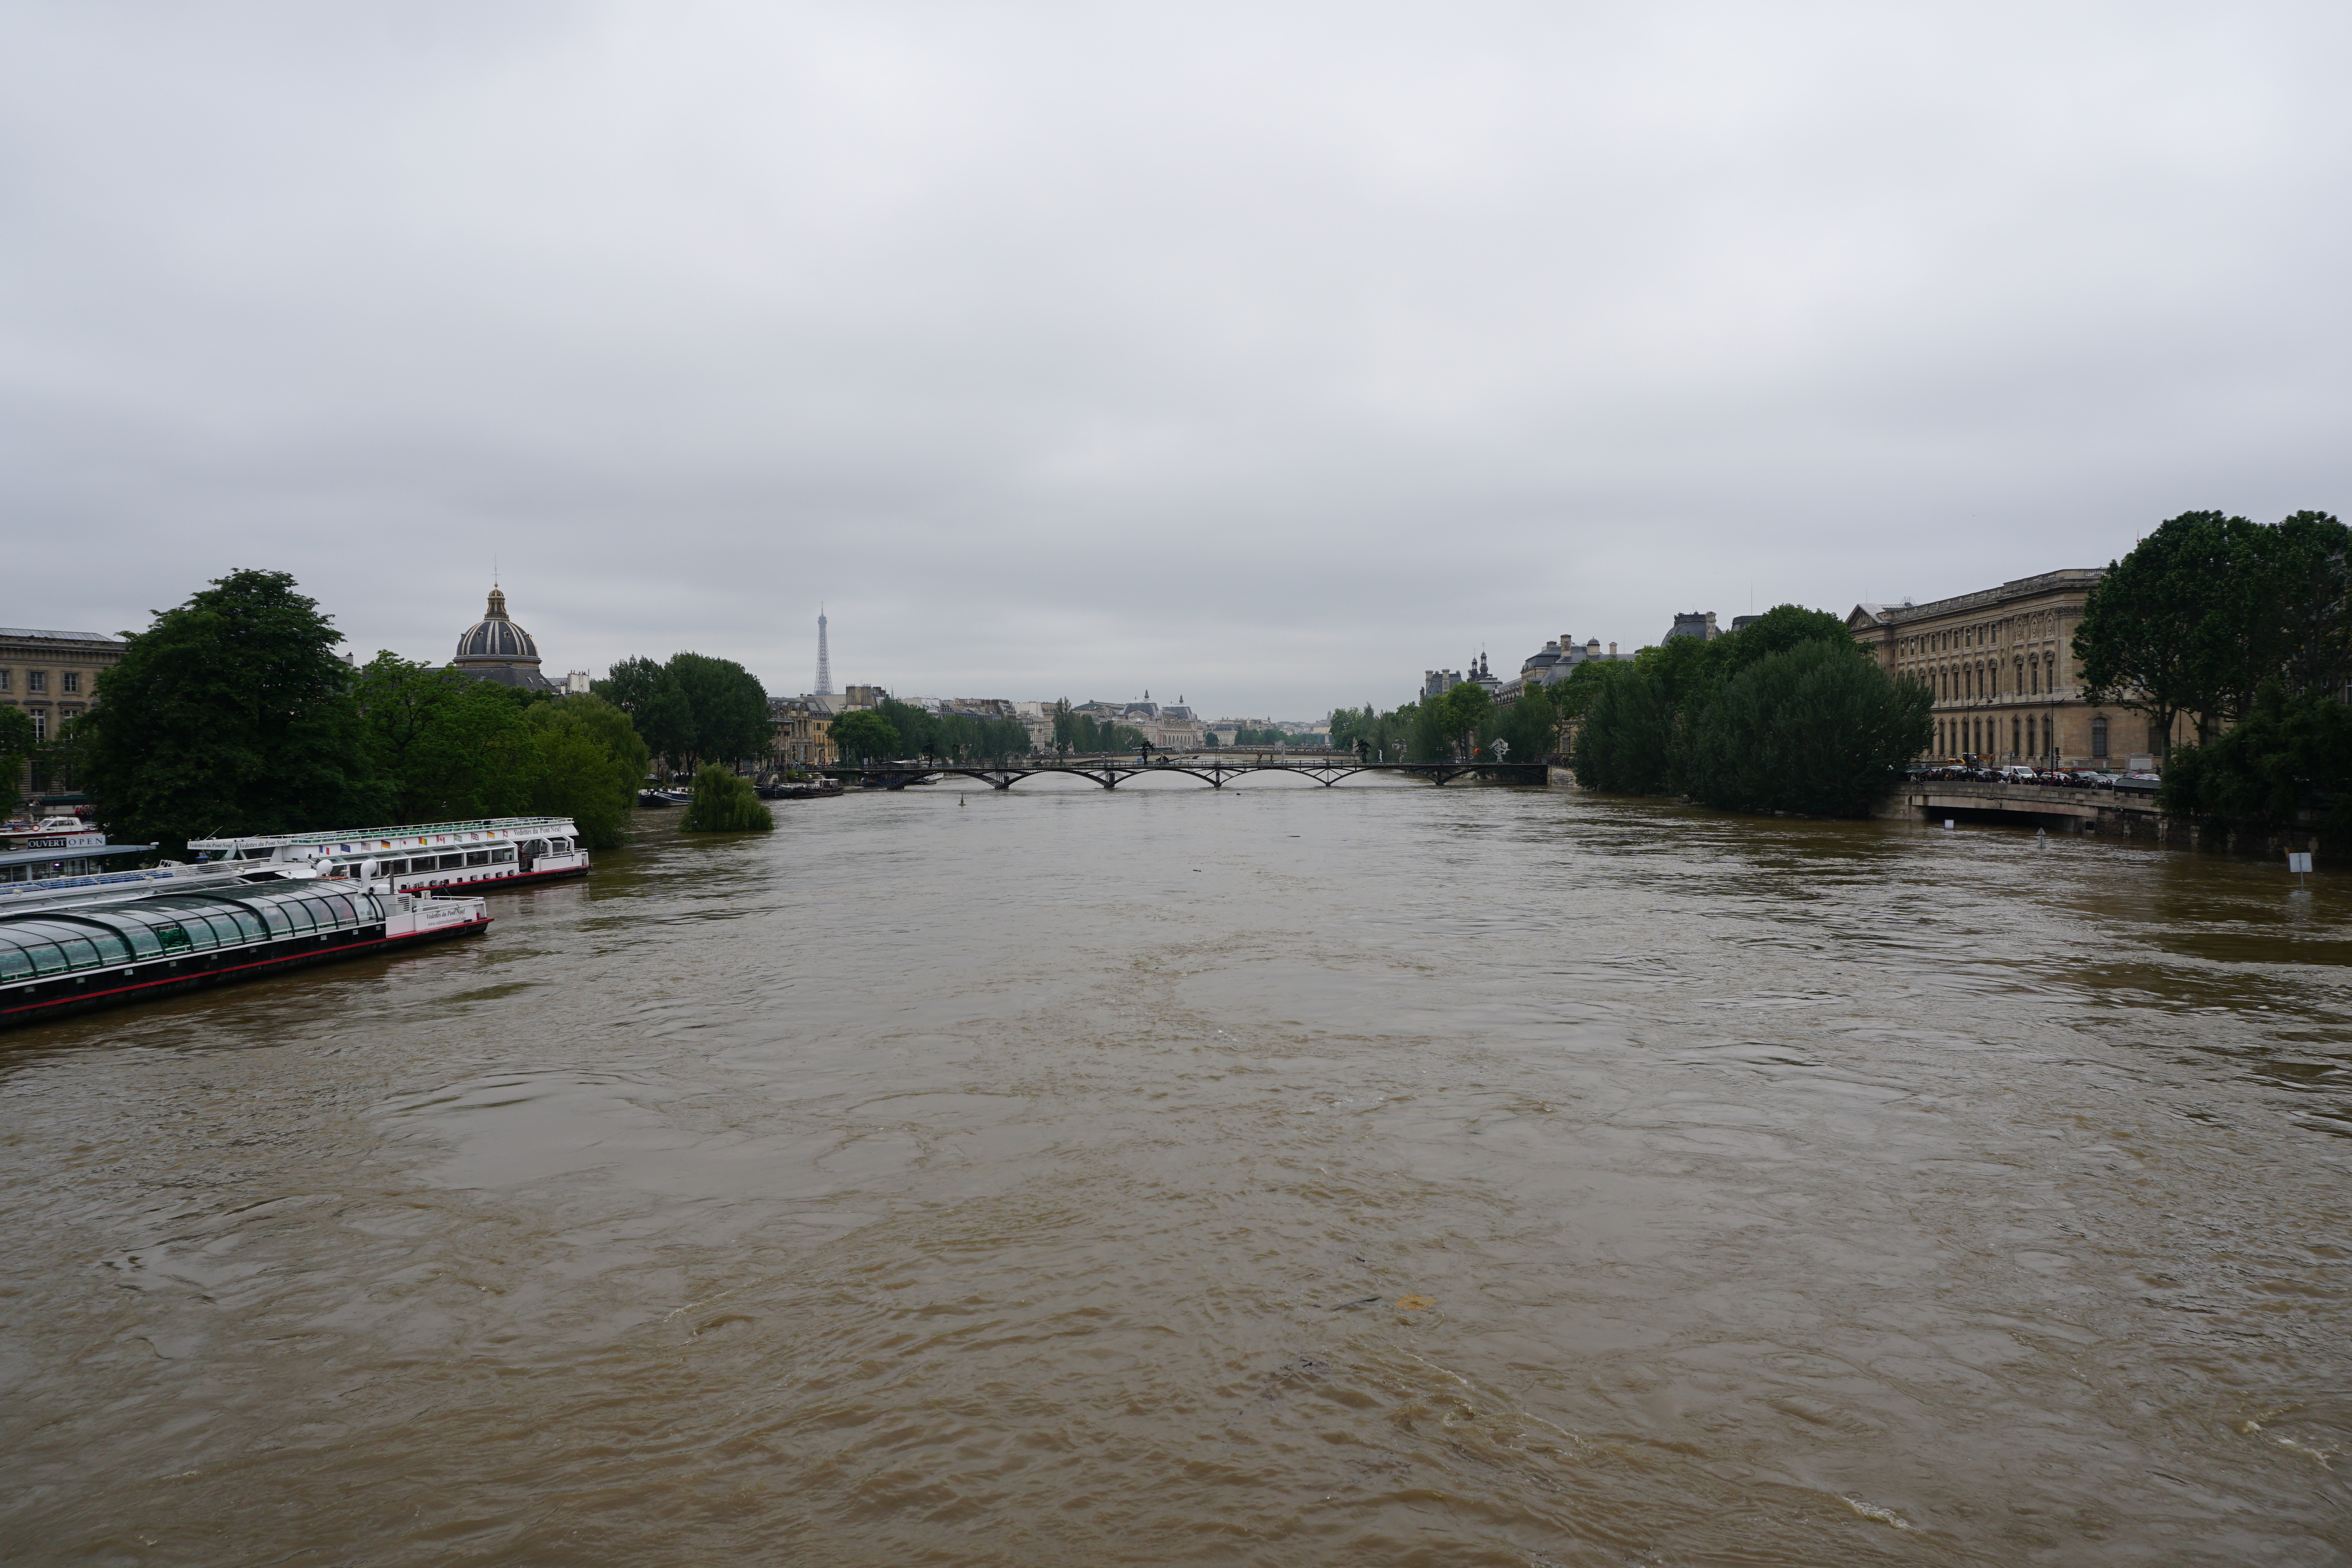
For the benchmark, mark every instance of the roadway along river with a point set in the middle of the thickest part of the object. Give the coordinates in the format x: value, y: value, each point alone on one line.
x: 1378, y: 1175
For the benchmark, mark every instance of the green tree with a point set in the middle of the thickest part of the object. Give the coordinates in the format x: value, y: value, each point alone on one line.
x: 1625, y: 744
x: 1530, y: 725
x: 1464, y: 712
x: 1810, y: 729
x: 864, y: 736
x: 2311, y: 577
x: 442, y: 747
x: 724, y: 803
x: 586, y: 763
x: 17, y: 744
x: 647, y: 691
x: 2172, y: 626
x: 2290, y: 752
x: 730, y: 708
x: 230, y: 713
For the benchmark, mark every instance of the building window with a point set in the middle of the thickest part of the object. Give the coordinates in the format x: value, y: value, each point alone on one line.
x: 6, y: 676
x: 40, y: 723
x: 73, y: 680
x: 37, y: 680
x: 2099, y: 736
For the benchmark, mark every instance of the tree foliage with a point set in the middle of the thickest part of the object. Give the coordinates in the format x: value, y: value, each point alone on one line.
x: 1625, y: 744
x: 1788, y: 713
x: 1808, y: 730
x: 728, y: 707
x: 724, y: 803
x: 954, y: 737
x: 16, y: 742
x: 443, y: 746
x: 693, y: 708
x: 1081, y: 732
x: 2209, y: 607
x: 862, y: 734
x: 586, y: 764
x: 647, y: 691
x: 2291, y: 752
x: 231, y: 714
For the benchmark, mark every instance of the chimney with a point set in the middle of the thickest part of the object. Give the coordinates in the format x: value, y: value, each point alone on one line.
x: 1612, y: 650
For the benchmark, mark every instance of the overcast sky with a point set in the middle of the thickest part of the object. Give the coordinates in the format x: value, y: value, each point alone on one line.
x: 1264, y: 354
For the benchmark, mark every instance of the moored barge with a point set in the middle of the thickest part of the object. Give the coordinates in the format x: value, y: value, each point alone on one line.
x: 67, y: 958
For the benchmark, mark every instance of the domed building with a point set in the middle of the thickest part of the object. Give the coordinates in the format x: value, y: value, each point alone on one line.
x: 495, y: 648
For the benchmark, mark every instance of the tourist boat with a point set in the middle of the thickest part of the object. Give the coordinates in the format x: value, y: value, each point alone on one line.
x: 101, y: 952
x: 499, y: 852
x: 49, y: 833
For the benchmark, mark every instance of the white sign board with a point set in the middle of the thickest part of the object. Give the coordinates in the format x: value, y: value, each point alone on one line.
x: 2297, y: 864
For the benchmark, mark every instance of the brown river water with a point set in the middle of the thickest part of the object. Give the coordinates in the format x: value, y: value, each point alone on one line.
x: 1378, y: 1175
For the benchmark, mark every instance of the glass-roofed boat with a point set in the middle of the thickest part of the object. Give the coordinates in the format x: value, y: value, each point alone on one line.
x: 64, y: 958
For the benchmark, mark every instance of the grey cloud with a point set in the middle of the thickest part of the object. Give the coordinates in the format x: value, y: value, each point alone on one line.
x: 1263, y: 353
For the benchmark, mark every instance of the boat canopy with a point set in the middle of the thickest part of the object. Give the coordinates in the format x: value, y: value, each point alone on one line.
x: 39, y: 943
x: 356, y: 839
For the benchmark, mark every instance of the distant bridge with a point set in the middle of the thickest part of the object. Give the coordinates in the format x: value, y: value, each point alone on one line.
x: 1326, y: 770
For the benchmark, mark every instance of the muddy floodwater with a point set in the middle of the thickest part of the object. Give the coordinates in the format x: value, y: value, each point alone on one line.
x: 1279, y: 1175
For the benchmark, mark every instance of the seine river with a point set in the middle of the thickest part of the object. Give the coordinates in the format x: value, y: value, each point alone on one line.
x: 1378, y: 1175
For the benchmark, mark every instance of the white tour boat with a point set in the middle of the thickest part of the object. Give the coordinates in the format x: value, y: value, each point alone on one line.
x: 500, y: 851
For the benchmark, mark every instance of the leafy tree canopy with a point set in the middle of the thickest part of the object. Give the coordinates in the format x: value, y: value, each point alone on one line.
x: 862, y: 734
x: 2290, y: 753
x: 1810, y: 730
x: 724, y: 803
x: 728, y: 704
x: 230, y: 713
x: 16, y: 742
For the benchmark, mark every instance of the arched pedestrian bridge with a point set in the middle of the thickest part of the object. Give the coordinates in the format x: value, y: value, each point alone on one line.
x: 1216, y: 773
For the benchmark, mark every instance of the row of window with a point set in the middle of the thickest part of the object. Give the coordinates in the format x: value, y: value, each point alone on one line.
x: 418, y: 865
x: 2031, y: 736
x: 38, y: 680
x: 2039, y: 623
x: 1953, y: 682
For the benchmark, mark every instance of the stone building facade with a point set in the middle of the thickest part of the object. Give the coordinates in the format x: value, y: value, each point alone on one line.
x: 2001, y: 663
x: 52, y: 676
x: 800, y: 730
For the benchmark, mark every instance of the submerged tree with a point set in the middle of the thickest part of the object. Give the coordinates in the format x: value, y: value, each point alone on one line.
x: 1810, y: 730
x: 724, y: 803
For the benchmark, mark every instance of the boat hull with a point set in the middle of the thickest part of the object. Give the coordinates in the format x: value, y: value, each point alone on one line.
x: 68, y: 995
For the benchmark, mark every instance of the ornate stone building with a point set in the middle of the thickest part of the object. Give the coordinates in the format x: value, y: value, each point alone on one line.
x: 2001, y: 663
x: 799, y: 731
x: 53, y: 675
x: 495, y: 648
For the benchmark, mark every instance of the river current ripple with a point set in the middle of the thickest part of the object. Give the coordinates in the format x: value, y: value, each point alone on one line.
x: 1378, y: 1175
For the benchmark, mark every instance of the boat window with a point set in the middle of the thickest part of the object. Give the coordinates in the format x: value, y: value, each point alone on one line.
x: 391, y: 867
x: 451, y: 862
x: 477, y: 857
x: 502, y: 857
